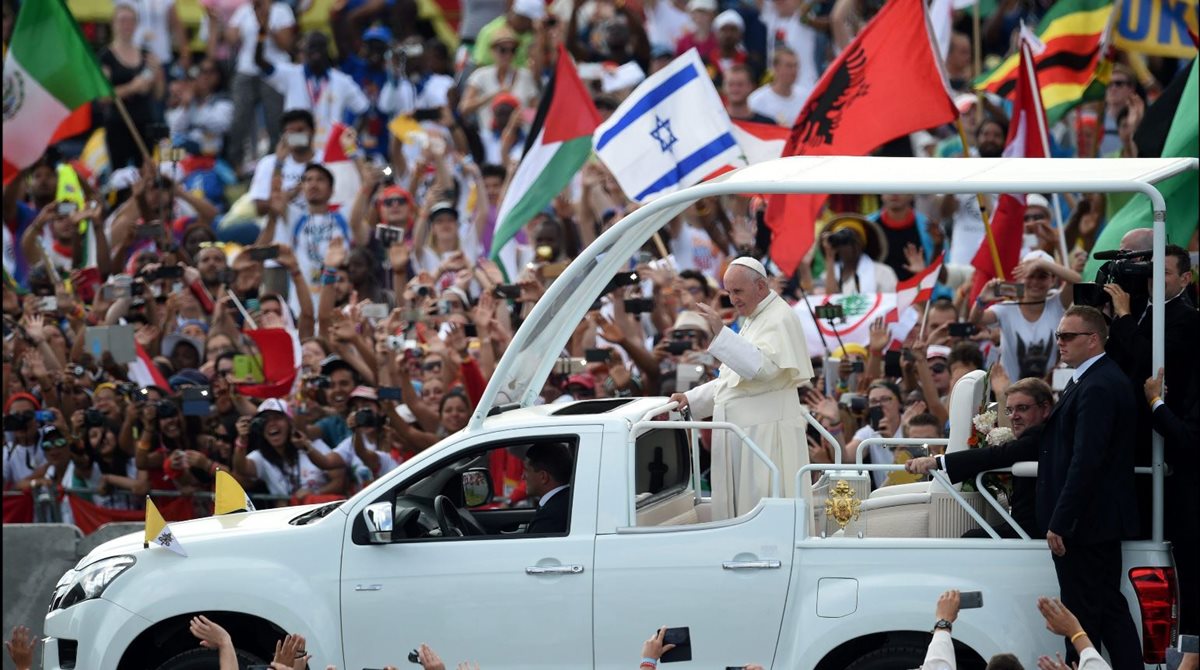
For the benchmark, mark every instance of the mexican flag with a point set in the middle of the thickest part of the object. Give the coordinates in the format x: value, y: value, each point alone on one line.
x: 560, y: 141
x: 50, y: 76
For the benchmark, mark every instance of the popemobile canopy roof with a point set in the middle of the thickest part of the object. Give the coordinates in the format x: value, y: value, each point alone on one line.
x: 526, y: 364
x: 858, y: 174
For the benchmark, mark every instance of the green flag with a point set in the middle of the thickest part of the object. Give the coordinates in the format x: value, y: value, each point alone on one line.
x: 1182, y: 192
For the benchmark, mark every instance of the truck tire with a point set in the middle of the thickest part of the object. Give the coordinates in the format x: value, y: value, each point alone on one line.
x: 206, y: 659
x: 890, y: 657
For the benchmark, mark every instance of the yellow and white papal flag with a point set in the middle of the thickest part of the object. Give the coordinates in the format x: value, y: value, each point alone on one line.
x: 230, y: 496
x: 158, y: 532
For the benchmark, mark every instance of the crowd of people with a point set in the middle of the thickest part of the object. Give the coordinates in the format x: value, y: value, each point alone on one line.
x: 395, y: 312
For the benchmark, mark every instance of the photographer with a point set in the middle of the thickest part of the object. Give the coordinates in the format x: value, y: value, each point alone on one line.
x: 883, y: 412
x: 108, y: 469
x: 161, y: 449
x: 267, y: 449
x: 854, y: 248
x: 1028, y: 319
x: 23, y: 456
x: 685, y: 344
x: 362, y: 454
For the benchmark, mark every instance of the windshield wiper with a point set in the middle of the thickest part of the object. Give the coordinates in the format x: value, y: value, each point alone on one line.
x: 318, y: 513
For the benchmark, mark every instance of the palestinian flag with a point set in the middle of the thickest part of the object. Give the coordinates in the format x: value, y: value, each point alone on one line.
x: 50, y: 77
x: 558, y: 144
x: 1073, y: 68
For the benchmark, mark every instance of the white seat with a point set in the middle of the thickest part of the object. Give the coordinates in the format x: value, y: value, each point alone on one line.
x: 904, y: 510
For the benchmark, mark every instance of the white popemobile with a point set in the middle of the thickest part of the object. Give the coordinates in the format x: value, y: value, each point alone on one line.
x: 420, y: 557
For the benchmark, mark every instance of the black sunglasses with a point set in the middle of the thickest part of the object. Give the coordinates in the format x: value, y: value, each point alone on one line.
x: 1068, y: 336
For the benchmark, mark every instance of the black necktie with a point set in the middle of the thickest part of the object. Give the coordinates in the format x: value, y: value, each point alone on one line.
x: 1070, y: 385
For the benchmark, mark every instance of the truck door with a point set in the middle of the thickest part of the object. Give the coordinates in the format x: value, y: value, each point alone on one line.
x: 726, y: 581
x: 504, y: 599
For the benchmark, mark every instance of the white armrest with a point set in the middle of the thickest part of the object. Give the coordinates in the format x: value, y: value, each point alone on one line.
x: 1025, y: 469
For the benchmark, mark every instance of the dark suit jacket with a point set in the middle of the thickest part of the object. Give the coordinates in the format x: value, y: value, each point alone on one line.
x: 962, y: 466
x: 1130, y: 344
x: 1085, y: 465
x: 553, y: 517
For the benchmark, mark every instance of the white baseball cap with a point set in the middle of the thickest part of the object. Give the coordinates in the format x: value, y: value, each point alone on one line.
x: 706, y: 5
x: 729, y: 17
x: 1037, y: 200
x: 531, y: 9
x: 275, y: 405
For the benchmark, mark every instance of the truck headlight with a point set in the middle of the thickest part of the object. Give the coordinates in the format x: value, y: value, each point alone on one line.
x: 89, y: 581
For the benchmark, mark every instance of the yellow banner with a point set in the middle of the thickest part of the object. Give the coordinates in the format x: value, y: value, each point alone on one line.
x: 1157, y: 27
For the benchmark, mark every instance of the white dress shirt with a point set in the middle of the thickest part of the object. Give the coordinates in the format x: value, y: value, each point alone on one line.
x: 1082, y: 368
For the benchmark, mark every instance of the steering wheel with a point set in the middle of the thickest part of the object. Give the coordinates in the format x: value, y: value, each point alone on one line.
x: 450, y: 522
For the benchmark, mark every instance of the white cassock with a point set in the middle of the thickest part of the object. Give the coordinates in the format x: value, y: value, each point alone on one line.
x: 761, y: 369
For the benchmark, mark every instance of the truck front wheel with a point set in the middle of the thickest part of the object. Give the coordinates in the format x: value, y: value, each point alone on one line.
x: 890, y: 657
x: 206, y: 659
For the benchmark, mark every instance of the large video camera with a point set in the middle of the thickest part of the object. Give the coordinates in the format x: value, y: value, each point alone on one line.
x: 1128, y: 269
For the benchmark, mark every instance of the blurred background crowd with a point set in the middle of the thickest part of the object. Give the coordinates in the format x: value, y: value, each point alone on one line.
x: 282, y: 263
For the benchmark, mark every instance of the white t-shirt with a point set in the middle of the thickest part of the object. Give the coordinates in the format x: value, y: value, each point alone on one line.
x: 20, y: 461
x: 797, y: 36
x: 246, y: 23
x: 784, y: 110
x: 287, y: 480
x: 154, y: 28
x: 309, y: 236
x: 260, y: 184
x: 328, y: 98
x: 485, y: 80
x: 428, y: 260
x: 1028, y: 348
x: 358, y: 469
x: 666, y: 23
x: 877, y: 454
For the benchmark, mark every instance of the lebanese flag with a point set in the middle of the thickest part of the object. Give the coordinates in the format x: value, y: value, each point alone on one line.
x: 144, y: 372
x: 878, y: 89
x: 50, y: 76
x: 280, y: 361
x: 1026, y: 139
x: 559, y: 143
x: 917, y: 288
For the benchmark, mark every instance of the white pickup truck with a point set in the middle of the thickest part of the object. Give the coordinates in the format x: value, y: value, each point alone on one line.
x: 419, y: 556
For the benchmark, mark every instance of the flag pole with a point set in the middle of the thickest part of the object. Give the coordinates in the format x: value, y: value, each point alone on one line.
x: 137, y: 135
x: 983, y: 213
x: 925, y: 318
x: 1043, y: 136
x: 977, y: 29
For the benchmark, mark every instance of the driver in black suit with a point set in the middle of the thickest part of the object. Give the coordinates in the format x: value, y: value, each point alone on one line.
x: 548, y: 478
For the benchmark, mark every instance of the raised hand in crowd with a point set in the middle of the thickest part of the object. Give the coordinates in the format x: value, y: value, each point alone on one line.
x: 291, y: 653
x: 213, y: 636
x: 20, y: 647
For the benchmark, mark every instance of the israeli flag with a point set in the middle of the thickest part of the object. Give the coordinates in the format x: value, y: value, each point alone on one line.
x: 670, y: 133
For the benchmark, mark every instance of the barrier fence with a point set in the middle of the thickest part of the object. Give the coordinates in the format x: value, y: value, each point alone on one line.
x: 46, y: 505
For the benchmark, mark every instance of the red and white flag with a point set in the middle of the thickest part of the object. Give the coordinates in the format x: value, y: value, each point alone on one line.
x: 843, y: 116
x: 144, y: 372
x: 1026, y: 139
x: 917, y: 288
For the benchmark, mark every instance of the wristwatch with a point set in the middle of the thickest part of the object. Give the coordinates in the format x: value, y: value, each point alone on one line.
x: 942, y: 624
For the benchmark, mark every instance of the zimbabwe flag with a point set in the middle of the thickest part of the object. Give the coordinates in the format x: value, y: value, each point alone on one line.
x: 1073, y: 68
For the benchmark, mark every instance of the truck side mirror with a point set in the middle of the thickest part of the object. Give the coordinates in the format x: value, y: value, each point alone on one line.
x: 378, y: 517
x: 476, y: 487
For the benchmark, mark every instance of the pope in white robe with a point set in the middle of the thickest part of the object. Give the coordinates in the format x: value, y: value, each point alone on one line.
x: 762, y: 367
